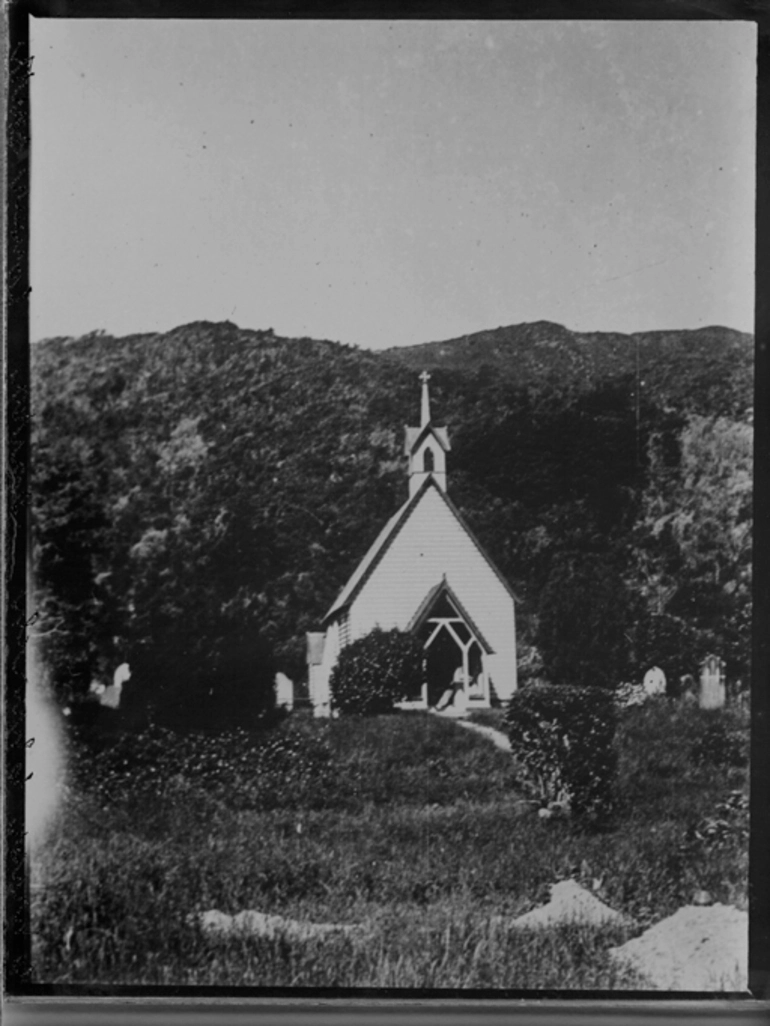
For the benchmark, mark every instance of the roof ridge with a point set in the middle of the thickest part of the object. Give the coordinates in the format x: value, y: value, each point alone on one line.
x: 387, y: 535
x: 376, y: 551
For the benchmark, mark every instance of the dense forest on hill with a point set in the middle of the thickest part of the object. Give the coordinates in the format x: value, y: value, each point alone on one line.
x: 200, y: 496
x: 706, y: 371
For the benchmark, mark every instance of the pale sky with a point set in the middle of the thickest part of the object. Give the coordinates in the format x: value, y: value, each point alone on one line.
x: 384, y: 183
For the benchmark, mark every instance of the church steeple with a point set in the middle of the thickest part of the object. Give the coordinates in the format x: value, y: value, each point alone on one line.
x: 426, y: 446
x: 425, y: 408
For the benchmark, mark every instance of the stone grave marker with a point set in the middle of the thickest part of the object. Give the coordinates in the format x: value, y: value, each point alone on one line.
x: 284, y: 691
x: 655, y: 681
x: 712, y: 683
x: 688, y: 689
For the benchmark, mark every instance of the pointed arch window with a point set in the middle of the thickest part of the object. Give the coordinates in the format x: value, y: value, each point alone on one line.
x: 428, y: 461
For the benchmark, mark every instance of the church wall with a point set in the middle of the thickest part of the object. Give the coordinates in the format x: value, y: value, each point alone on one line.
x: 319, y: 677
x: 430, y: 544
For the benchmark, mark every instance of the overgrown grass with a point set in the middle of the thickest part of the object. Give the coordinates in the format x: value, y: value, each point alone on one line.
x: 407, y: 824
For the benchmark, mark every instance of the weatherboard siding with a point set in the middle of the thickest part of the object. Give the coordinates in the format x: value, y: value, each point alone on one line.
x: 430, y: 544
x: 320, y: 696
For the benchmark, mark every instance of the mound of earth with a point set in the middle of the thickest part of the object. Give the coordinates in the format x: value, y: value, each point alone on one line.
x: 570, y: 903
x: 694, y: 949
x: 252, y: 923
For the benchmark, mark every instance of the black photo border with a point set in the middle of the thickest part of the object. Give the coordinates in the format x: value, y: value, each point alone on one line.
x: 26, y: 1002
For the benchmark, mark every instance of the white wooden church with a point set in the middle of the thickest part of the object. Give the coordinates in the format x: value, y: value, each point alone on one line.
x: 426, y: 573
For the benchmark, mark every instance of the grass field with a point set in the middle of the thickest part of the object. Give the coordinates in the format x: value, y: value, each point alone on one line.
x: 407, y: 824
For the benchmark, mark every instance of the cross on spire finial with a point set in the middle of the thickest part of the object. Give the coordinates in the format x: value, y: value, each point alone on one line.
x: 425, y: 410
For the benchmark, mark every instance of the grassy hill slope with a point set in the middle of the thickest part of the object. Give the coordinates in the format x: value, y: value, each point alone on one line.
x: 406, y: 824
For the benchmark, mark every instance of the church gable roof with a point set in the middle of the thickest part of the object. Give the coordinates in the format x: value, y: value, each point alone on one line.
x: 376, y: 551
x: 386, y: 538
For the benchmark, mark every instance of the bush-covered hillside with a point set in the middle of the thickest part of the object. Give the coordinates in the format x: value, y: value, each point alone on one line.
x: 708, y: 370
x: 210, y: 489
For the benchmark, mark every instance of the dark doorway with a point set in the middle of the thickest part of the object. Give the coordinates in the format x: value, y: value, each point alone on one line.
x: 443, y: 658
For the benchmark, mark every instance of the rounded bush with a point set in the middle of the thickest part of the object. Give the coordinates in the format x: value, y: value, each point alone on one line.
x: 563, y: 738
x: 375, y: 672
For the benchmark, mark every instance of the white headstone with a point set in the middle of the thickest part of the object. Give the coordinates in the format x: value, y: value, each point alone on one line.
x: 687, y: 687
x: 111, y: 696
x: 712, y: 683
x: 655, y: 681
x: 284, y: 691
x: 121, y: 675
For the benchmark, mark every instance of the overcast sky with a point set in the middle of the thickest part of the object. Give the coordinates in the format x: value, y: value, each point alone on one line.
x: 391, y: 183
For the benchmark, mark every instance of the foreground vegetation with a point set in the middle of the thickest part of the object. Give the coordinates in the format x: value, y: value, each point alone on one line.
x: 404, y: 823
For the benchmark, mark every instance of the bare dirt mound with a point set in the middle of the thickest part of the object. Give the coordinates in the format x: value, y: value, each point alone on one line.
x: 570, y: 903
x: 694, y: 949
x: 252, y: 923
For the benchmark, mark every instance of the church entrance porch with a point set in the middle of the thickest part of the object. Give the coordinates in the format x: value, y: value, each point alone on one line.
x: 455, y: 674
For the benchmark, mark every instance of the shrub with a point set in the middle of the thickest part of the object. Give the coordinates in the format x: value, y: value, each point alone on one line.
x: 719, y: 746
x: 726, y: 826
x: 628, y: 695
x: 375, y: 672
x: 563, y: 739
x: 530, y: 668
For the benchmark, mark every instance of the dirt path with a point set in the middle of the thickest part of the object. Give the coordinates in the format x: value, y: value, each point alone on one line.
x: 495, y: 736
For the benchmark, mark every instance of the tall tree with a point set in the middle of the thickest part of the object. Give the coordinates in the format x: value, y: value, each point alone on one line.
x: 694, y: 534
x: 586, y: 621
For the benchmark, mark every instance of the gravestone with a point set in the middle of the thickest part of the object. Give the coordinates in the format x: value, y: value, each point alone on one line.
x: 109, y: 694
x: 655, y: 681
x: 688, y: 689
x: 284, y: 691
x: 712, y: 683
x: 121, y: 675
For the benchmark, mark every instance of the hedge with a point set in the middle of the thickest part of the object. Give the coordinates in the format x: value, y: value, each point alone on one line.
x: 562, y: 738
